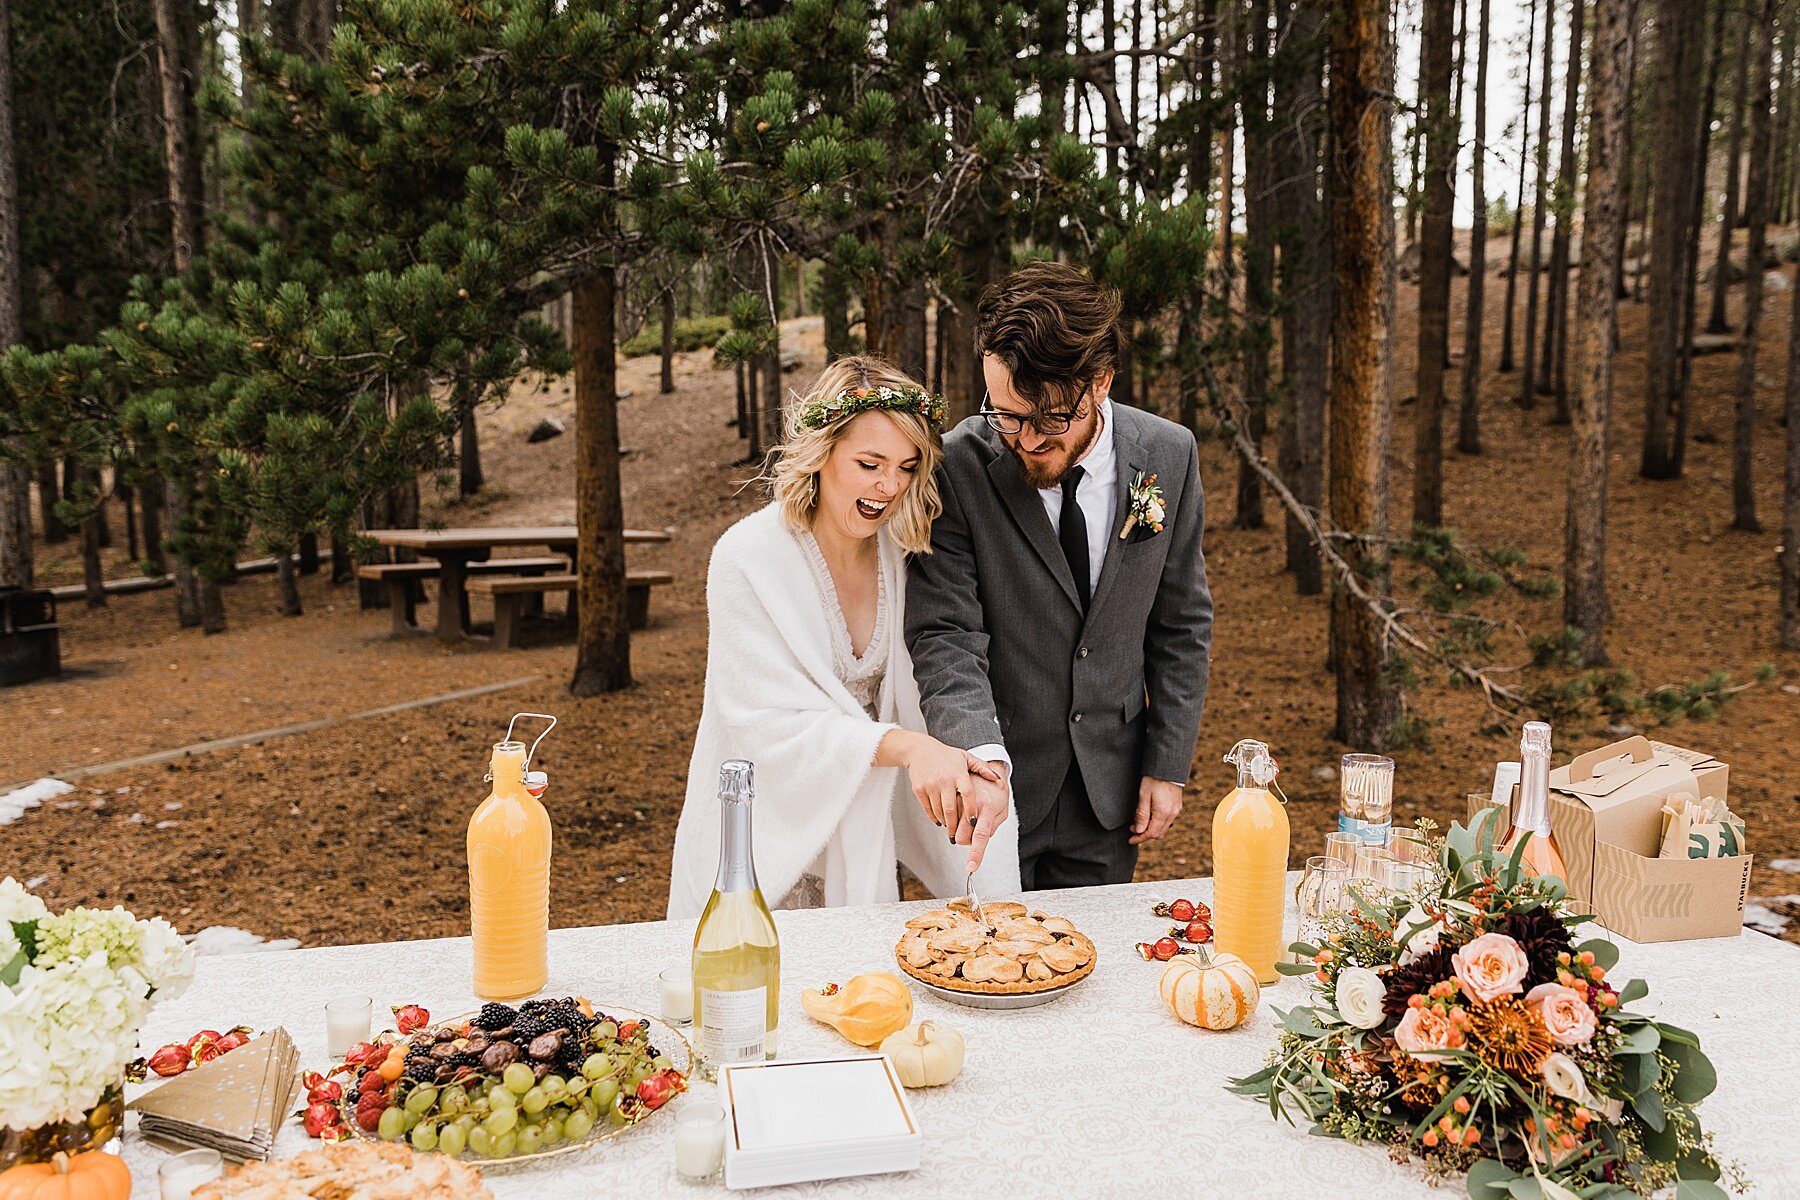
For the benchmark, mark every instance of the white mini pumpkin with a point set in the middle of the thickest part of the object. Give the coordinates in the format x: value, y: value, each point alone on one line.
x: 1216, y: 992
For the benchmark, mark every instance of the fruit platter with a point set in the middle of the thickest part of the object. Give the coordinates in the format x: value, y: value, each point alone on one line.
x: 504, y: 1083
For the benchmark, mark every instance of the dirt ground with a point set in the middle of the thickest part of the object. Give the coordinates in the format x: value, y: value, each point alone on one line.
x: 353, y: 833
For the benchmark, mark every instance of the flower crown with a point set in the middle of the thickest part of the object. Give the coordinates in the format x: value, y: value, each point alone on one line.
x: 851, y: 401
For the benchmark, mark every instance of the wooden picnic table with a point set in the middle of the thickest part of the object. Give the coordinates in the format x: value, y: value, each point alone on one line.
x: 455, y: 549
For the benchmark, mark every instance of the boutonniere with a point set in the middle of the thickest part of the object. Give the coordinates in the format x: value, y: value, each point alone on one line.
x: 1146, y: 506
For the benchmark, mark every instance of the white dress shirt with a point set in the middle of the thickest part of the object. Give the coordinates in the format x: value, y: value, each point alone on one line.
x: 1097, y: 493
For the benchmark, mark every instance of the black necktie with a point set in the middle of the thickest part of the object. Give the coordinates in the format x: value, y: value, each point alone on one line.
x: 1073, y: 532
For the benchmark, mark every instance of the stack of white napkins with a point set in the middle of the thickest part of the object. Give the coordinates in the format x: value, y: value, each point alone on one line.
x: 233, y: 1104
x: 799, y: 1120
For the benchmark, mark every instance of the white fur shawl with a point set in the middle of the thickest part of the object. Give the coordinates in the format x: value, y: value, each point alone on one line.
x: 773, y: 698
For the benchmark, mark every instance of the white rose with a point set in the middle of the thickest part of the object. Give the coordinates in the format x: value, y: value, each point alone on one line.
x: 1563, y: 1076
x: 1425, y: 940
x: 1155, y: 511
x: 1359, y: 995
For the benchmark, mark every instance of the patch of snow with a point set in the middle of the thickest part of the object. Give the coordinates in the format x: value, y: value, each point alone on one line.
x: 228, y: 939
x: 1787, y: 864
x: 1758, y: 914
x: 19, y: 801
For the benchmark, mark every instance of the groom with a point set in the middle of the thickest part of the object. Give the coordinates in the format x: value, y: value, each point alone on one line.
x: 1060, y: 627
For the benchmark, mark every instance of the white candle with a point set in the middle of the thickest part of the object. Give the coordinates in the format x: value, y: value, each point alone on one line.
x: 677, y: 995
x: 346, y: 1023
x: 177, y: 1178
x: 699, y: 1141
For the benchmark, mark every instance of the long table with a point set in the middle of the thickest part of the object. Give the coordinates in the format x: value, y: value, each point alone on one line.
x: 455, y: 549
x: 1100, y: 1094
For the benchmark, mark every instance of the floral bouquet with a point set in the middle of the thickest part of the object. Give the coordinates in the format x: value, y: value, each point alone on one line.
x: 1464, y: 1023
x: 74, y: 990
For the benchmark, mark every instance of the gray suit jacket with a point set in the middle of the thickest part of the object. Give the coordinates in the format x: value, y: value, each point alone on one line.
x: 999, y: 644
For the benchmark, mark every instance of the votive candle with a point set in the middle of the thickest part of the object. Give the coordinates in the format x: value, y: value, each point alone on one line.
x: 677, y: 995
x: 699, y: 1141
x: 346, y: 1023
x: 178, y: 1176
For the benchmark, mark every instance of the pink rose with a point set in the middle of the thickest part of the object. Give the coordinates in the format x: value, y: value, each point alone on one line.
x: 1564, y: 1013
x: 1490, y: 966
x: 1422, y: 1031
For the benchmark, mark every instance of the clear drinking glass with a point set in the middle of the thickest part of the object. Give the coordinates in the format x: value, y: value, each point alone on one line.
x: 1341, y: 847
x: 1321, y: 893
x: 1401, y: 876
x: 1407, y: 844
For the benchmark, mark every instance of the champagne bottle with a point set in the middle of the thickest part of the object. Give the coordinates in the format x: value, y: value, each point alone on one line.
x: 1531, y: 824
x: 737, y: 956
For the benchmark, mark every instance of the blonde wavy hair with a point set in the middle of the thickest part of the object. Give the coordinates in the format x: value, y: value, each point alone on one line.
x: 794, y: 477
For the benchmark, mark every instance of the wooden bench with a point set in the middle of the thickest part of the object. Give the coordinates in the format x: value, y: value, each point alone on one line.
x: 402, y: 580
x: 509, y: 592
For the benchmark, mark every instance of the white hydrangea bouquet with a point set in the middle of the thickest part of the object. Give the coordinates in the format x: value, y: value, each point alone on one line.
x: 75, y: 988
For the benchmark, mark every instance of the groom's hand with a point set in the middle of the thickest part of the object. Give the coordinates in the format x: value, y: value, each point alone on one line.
x: 1159, y: 803
x: 983, y: 813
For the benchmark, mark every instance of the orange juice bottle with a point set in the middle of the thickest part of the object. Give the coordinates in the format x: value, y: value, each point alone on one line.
x: 1250, y: 850
x: 509, y: 881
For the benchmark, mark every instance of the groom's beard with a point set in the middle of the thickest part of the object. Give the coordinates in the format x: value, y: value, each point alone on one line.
x: 1048, y: 472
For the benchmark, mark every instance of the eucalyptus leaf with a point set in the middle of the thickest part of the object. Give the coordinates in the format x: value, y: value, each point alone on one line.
x: 1641, y: 1040
x: 1699, y: 1189
x: 1487, y: 1179
x: 1649, y: 1107
x: 1696, y: 1078
x: 1635, y: 989
x: 1675, y: 1033
x: 1525, y: 1187
x: 1606, y: 954
x: 1294, y: 969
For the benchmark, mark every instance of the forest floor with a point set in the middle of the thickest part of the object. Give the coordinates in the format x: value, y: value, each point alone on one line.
x: 353, y: 833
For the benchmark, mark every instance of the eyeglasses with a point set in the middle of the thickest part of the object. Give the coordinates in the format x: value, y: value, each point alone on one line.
x: 1049, y: 424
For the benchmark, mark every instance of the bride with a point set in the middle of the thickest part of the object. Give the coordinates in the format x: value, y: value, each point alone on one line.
x: 807, y: 673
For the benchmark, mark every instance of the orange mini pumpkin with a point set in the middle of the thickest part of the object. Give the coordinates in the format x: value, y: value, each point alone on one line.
x: 92, y: 1176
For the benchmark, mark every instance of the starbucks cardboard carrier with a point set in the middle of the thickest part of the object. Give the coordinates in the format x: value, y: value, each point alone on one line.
x: 1607, y: 809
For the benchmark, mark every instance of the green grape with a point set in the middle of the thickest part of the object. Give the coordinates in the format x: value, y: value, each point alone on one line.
x: 502, y: 1098
x: 638, y: 1073
x: 530, y: 1139
x: 506, y: 1145
x: 601, y: 1095
x: 534, y: 1101
x: 553, y: 1130
x: 408, y: 1120
x: 424, y: 1136
x: 519, y: 1079
x: 616, y: 1115
x: 453, y: 1100
x: 596, y: 1066
x: 421, y: 1099
x: 481, y: 1141
x: 606, y: 1030
x: 452, y: 1138
x: 393, y: 1124
x: 661, y: 1062
x: 577, y: 1124
x: 591, y: 1106
x: 555, y: 1087
x: 501, y: 1120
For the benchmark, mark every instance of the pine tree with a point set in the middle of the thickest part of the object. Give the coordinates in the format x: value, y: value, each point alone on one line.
x: 1435, y: 252
x: 1468, y: 426
x: 1512, y: 259
x: 15, y: 478
x: 1756, y: 212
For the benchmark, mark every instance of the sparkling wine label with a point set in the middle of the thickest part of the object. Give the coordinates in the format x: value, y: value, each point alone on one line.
x: 733, y: 1026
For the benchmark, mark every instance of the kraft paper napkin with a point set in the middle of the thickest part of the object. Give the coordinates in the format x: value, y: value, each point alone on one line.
x: 233, y: 1104
x: 1696, y: 827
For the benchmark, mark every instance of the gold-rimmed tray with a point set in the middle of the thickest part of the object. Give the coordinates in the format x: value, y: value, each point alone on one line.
x: 667, y: 1039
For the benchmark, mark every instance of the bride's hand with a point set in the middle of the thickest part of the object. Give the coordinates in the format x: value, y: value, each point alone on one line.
x: 942, y: 780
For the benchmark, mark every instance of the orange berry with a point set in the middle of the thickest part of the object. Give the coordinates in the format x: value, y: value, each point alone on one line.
x: 1566, y: 1141
x: 391, y: 1068
x: 1446, y: 1124
x: 1321, y: 976
x: 1597, y: 974
x: 1587, y: 958
x: 1430, y: 1138
x: 1471, y: 1135
x: 1461, y: 1105
x: 1609, y: 999
x: 1415, y: 1001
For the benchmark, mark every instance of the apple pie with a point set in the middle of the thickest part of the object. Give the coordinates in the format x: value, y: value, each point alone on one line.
x: 351, y: 1171
x: 1006, y: 948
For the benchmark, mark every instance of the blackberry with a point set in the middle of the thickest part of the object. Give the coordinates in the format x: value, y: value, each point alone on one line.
x: 465, y: 1058
x: 531, y: 1025
x: 421, y: 1070
x: 494, y: 1016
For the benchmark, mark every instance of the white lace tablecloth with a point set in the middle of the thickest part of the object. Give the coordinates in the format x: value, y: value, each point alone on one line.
x: 1100, y: 1094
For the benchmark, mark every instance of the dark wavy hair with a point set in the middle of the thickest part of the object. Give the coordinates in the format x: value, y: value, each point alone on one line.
x: 1055, y: 329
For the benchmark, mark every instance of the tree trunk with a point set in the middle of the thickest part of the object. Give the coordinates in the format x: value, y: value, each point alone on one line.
x: 1436, y: 48
x: 834, y: 306
x: 469, y: 477
x: 288, y: 580
x: 769, y: 424
x: 1790, y: 492
x: 49, y: 491
x: 343, y: 564
x: 1716, y: 322
x: 1259, y: 251
x: 1584, y: 532
x: 93, y: 575
x: 1680, y: 43
x: 187, y: 583
x: 176, y: 80
x: 1362, y: 251
x: 603, y: 641
x: 913, y: 359
x: 212, y: 607
x: 1781, y: 200
x: 1554, y: 378
x: 151, y: 500
x: 1540, y: 199
x: 1518, y: 225
x: 308, y: 554
x: 1468, y: 426
x: 1305, y: 278
x: 128, y: 499
x: 1756, y: 211
x: 15, y: 475
x: 742, y: 421
x: 1690, y: 292
x: 668, y: 340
